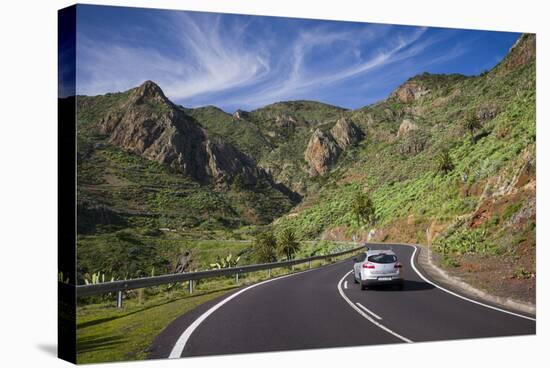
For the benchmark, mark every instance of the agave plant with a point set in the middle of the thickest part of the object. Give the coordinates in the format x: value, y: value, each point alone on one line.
x: 226, y: 262
x: 96, y: 278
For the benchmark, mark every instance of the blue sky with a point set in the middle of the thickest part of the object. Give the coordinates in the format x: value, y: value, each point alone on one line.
x: 246, y: 62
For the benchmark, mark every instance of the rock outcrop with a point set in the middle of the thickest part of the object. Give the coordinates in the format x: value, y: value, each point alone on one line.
x: 413, y: 142
x: 149, y: 125
x: 225, y: 162
x: 406, y: 126
x: 323, y: 149
x: 285, y: 120
x: 522, y: 52
x: 410, y: 91
x: 322, y: 152
x: 412, y: 139
x: 346, y: 133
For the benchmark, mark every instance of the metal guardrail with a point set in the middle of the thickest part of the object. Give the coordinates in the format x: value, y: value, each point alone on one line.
x: 123, y: 285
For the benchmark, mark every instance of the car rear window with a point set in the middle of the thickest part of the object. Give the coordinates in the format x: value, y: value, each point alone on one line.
x: 383, y: 258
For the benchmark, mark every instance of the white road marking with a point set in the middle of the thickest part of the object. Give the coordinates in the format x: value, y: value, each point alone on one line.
x: 458, y: 295
x: 366, y: 316
x: 346, y: 284
x: 368, y: 311
x: 177, y: 350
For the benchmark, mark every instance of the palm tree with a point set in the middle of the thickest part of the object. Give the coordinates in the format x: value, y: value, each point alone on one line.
x: 363, y: 209
x: 264, y: 248
x: 472, y: 124
x: 445, y: 162
x: 288, y: 245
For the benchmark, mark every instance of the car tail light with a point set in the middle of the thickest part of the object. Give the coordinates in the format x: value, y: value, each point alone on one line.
x: 368, y: 265
x: 398, y: 265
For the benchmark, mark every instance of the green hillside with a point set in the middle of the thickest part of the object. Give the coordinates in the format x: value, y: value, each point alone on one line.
x: 480, y: 214
x: 446, y: 160
x: 275, y: 135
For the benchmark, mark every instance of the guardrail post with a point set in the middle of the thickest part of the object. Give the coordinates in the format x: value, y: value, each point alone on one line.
x: 237, y: 278
x: 269, y: 273
x: 190, y: 286
x: 309, y: 263
x: 119, y: 299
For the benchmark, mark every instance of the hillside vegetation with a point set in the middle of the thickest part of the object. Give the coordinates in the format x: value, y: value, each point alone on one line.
x: 480, y: 214
x: 446, y: 160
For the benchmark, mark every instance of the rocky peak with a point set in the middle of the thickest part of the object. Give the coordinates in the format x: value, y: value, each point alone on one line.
x: 149, y: 125
x: 148, y: 91
x: 346, y: 133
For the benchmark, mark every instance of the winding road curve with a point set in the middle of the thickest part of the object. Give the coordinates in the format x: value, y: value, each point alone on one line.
x: 323, y: 308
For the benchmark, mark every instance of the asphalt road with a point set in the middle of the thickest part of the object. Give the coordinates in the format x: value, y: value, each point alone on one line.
x: 324, y: 308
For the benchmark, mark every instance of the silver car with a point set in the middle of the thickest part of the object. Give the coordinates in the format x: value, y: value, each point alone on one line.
x: 377, y: 267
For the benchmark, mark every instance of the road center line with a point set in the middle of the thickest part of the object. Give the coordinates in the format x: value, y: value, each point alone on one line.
x: 366, y: 316
x: 368, y: 311
x: 346, y: 284
x: 458, y: 295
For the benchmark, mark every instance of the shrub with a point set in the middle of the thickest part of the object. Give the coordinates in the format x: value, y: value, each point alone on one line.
x: 521, y: 273
x: 463, y: 241
x: 450, y: 262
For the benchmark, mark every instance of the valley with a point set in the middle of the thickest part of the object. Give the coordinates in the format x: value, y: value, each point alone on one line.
x: 447, y: 161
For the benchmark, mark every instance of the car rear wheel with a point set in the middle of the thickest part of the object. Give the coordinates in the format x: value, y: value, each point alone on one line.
x: 363, y: 287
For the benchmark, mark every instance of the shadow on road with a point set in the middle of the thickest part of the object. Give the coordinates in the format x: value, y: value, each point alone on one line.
x: 408, y: 285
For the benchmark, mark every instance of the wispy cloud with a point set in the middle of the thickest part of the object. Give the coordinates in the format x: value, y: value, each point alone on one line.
x: 217, y: 58
x: 302, y: 80
x: 205, y: 61
x: 247, y: 61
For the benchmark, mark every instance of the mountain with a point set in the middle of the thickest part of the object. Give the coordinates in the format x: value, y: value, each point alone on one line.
x: 276, y: 135
x: 149, y: 125
x: 434, y: 177
x: 477, y: 216
x: 143, y: 126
